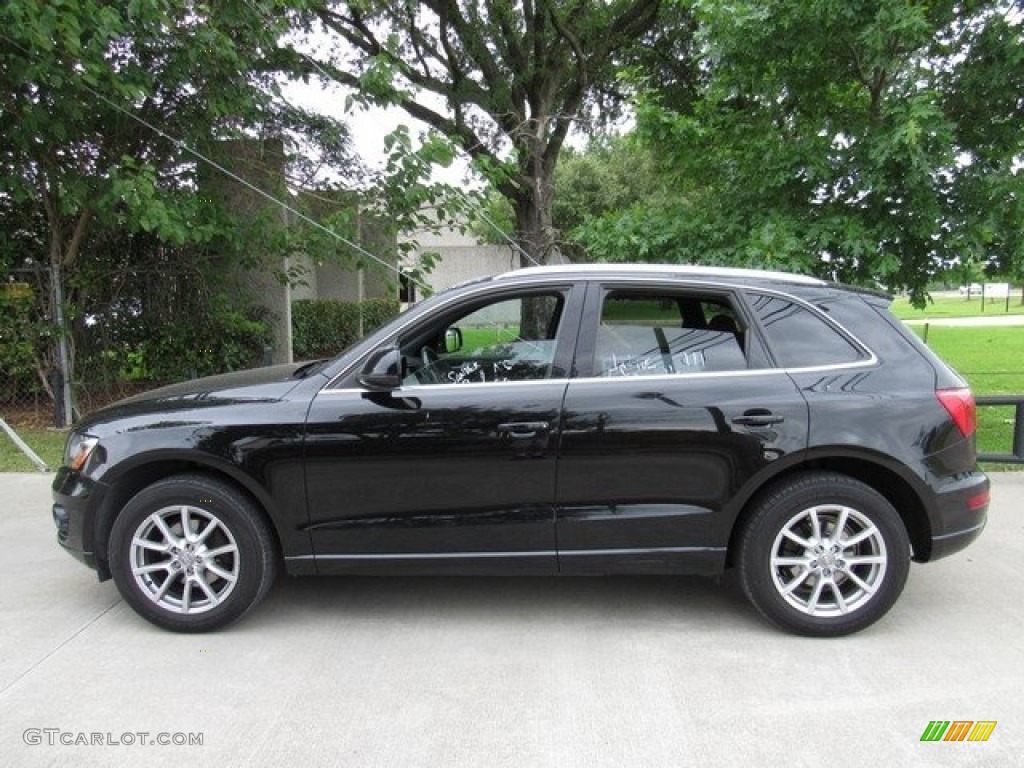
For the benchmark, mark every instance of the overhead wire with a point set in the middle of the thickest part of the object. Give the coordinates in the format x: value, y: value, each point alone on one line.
x: 180, y: 143
x: 232, y: 175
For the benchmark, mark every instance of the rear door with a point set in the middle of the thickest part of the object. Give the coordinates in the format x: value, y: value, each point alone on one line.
x: 675, y: 409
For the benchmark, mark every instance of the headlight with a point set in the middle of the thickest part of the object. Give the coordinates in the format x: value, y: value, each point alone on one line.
x: 78, y: 449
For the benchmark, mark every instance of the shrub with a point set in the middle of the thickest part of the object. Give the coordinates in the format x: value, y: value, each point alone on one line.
x: 325, y: 327
x: 20, y: 332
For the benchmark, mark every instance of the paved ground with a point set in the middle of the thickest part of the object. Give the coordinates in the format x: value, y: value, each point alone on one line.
x: 408, y: 672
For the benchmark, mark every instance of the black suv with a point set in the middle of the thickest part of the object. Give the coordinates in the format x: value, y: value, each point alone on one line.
x: 575, y: 420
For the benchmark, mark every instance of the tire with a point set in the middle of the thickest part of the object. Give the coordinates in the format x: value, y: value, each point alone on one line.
x: 823, y: 555
x: 201, y: 581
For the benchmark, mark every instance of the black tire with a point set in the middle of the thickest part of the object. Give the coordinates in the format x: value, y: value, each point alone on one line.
x: 861, y: 571
x: 211, y: 577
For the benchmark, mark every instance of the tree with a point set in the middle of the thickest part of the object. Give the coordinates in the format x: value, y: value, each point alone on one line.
x: 94, y: 98
x: 870, y: 141
x: 611, y: 176
x: 506, y: 81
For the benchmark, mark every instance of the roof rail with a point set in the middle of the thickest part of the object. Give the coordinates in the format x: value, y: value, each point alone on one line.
x: 688, y: 270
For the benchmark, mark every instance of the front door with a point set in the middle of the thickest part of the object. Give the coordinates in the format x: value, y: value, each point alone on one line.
x: 454, y: 469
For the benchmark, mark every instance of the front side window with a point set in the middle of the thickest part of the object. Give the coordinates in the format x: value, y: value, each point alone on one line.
x: 511, y: 339
x: 650, y: 333
x: 801, y: 339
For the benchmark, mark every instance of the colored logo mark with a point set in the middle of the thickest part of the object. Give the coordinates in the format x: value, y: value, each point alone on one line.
x: 958, y: 730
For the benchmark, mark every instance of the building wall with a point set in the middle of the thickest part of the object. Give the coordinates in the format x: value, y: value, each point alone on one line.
x: 462, y: 257
x: 260, y: 163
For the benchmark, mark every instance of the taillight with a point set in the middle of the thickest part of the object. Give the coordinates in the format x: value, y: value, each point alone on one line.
x: 960, y: 405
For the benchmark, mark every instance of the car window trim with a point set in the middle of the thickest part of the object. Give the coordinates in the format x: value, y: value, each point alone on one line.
x: 599, y: 290
x: 740, y: 291
x: 572, y: 291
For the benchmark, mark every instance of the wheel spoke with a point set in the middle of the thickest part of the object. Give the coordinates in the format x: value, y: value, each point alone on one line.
x: 227, y: 549
x: 216, y: 570
x: 867, y: 533
x: 201, y: 537
x: 864, y: 560
x: 186, y: 596
x: 161, y: 524
x: 159, y: 594
x: 781, y: 562
x: 156, y: 546
x: 138, y: 570
x: 797, y: 539
x: 867, y: 588
x: 812, y: 603
x: 186, y: 526
x: 840, y: 600
x: 210, y: 594
x: 844, y: 515
x: 815, y: 524
x: 800, y: 579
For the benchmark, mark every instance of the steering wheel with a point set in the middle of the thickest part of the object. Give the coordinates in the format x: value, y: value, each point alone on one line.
x: 429, y: 372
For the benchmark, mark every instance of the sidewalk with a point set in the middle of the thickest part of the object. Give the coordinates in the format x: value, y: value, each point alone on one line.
x: 505, y: 672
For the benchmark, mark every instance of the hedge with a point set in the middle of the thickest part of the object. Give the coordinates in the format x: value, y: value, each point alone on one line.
x: 325, y: 327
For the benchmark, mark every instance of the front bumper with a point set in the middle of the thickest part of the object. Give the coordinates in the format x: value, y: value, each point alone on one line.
x: 76, y: 500
x: 960, y: 513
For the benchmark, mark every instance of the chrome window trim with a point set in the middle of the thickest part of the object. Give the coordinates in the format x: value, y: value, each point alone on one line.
x: 419, y: 388
x: 870, y: 361
x: 468, y: 293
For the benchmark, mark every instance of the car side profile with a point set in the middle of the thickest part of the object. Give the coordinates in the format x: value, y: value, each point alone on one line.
x: 555, y: 420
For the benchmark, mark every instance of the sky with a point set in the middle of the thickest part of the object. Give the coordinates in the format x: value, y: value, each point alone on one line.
x: 368, y: 126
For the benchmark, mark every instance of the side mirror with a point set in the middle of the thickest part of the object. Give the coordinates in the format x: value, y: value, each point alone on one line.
x: 383, y: 370
x: 452, y: 340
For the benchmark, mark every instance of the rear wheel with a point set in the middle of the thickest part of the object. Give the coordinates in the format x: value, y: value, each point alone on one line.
x: 191, y: 553
x: 823, y: 554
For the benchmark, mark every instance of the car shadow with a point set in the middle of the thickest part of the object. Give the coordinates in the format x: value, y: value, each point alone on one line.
x: 690, y: 601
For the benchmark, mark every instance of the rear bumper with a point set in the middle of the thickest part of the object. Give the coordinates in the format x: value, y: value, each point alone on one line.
x: 960, y: 513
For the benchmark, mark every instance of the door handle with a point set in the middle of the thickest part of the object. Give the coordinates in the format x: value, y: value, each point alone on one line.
x: 523, y: 430
x: 758, y: 417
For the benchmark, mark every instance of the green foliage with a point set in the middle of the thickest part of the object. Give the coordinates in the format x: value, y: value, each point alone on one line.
x: 845, y: 140
x: 325, y: 327
x: 19, y: 342
x: 148, y: 247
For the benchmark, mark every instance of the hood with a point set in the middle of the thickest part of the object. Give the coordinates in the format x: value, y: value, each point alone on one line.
x: 254, y: 385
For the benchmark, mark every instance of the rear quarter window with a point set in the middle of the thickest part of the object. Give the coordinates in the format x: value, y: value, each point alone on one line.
x: 800, y: 338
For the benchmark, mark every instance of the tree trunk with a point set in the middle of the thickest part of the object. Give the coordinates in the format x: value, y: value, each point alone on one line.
x: 535, y: 237
x: 535, y: 232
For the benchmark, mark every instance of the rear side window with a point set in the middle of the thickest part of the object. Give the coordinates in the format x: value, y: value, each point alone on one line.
x: 651, y: 333
x: 800, y: 338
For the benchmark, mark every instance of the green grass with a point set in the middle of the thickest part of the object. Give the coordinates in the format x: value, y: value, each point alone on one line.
x: 48, y: 443
x: 992, y: 361
x: 956, y: 306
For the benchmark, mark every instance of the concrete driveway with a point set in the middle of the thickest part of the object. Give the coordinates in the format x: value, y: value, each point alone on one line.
x: 505, y: 672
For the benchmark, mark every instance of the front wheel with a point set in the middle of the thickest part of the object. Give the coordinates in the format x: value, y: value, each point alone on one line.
x: 823, y: 554
x: 190, y: 553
